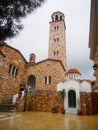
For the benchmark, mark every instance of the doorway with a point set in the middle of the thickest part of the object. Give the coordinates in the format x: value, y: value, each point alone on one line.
x: 31, y: 83
x: 72, y: 99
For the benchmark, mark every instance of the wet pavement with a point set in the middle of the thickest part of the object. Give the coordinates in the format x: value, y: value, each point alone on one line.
x: 46, y: 121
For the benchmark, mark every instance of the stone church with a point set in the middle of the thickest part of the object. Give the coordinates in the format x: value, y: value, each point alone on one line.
x: 38, y: 80
x: 16, y: 73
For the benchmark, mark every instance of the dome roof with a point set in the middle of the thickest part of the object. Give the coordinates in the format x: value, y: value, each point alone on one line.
x: 73, y: 70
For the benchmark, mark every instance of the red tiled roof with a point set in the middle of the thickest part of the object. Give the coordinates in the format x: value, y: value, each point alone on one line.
x: 87, y: 80
x: 73, y: 70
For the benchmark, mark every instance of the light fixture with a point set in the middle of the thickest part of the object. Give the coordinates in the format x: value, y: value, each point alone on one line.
x: 95, y: 66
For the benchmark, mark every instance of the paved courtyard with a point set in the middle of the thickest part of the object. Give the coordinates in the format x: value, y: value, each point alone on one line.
x: 46, y: 121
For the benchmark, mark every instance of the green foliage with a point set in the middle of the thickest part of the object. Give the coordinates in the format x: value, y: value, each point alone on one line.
x: 11, y: 12
x: 30, y: 105
x: 62, y: 93
x: 54, y: 107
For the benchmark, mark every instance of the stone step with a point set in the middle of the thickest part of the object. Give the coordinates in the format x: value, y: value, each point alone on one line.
x: 71, y: 110
x: 7, y: 107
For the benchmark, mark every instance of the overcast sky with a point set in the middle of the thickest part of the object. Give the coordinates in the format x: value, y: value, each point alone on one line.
x: 35, y: 35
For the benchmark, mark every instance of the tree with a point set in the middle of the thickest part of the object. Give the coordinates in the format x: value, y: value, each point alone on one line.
x: 11, y: 12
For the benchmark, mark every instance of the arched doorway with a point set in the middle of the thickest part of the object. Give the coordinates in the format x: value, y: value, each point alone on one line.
x: 72, y: 99
x: 31, y: 83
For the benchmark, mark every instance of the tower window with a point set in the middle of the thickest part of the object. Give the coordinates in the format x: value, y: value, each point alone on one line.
x: 60, y: 17
x: 56, y: 54
x: 56, y: 27
x: 56, y: 17
x: 56, y: 40
x: 47, y: 79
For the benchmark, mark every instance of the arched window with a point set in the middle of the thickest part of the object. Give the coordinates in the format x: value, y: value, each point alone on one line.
x: 60, y: 17
x: 31, y: 83
x: 56, y: 17
x: 72, y: 99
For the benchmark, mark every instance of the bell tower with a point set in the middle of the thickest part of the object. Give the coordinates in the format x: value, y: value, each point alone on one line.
x: 57, y: 44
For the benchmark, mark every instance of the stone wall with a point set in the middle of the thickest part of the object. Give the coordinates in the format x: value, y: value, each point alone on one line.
x: 85, y: 101
x: 10, y: 84
x: 44, y: 100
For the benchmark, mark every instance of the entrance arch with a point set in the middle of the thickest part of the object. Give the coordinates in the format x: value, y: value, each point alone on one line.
x: 72, y: 99
x: 31, y: 83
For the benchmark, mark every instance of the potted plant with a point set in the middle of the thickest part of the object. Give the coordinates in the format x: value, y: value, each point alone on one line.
x: 79, y: 112
x: 63, y: 94
x: 30, y: 106
x: 54, y: 109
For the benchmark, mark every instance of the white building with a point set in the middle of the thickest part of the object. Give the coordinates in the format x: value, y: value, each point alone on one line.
x: 73, y: 86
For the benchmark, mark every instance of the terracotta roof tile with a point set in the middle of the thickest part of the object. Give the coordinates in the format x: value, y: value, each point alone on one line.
x: 87, y: 80
x: 73, y: 70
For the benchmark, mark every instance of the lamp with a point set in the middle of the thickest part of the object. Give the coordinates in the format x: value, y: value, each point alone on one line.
x: 95, y: 66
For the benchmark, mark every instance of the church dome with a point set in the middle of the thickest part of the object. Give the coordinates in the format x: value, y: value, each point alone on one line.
x: 73, y: 74
x: 73, y: 70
